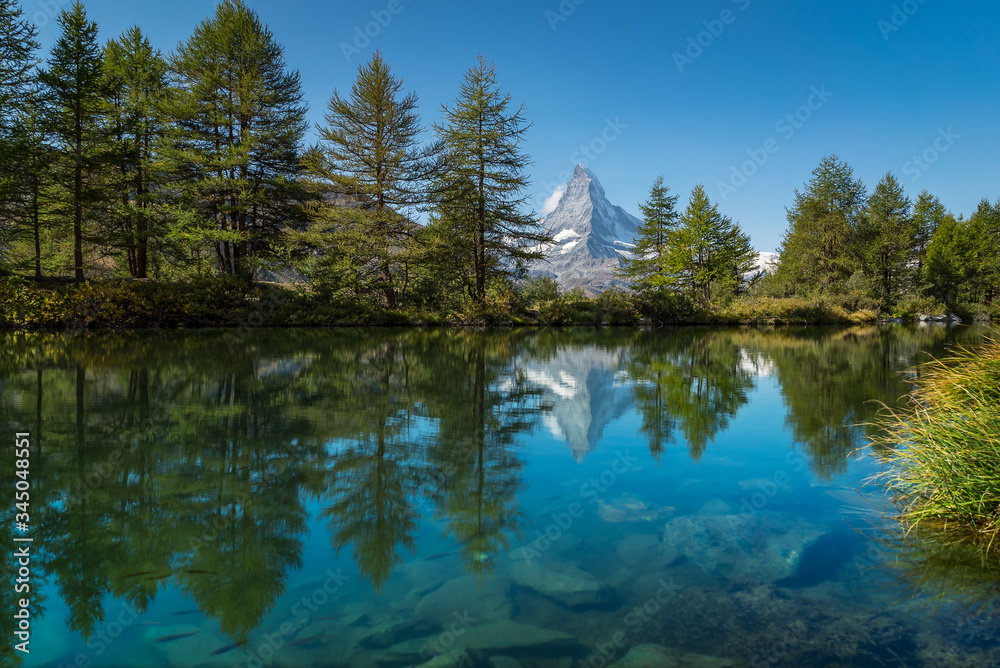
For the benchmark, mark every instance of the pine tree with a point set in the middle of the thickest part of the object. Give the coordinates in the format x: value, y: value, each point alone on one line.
x: 137, y: 79
x: 928, y: 212
x: 950, y: 260
x: 371, y: 159
x: 886, y: 240
x: 484, y: 194
x: 18, y: 73
x: 707, y: 248
x: 37, y: 156
x: 234, y: 150
x: 817, y: 250
x: 77, y: 89
x: 646, y: 270
x: 983, y: 279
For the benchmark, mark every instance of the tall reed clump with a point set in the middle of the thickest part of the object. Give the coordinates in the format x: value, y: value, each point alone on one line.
x: 943, y: 449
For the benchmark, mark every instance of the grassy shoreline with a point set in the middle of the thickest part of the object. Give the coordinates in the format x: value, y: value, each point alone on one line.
x: 942, y: 450
x: 215, y: 302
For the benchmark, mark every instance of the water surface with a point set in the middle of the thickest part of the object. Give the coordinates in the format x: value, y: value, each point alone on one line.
x: 544, y: 498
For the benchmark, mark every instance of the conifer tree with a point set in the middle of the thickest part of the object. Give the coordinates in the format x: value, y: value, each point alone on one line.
x: 18, y: 45
x: 983, y: 265
x: 37, y: 156
x: 817, y: 250
x: 484, y: 194
x: 77, y: 90
x: 949, y: 263
x: 137, y: 80
x: 886, y: 240
x: 238, y: 121
x: 928, y: 213
x: 708, y: 248
x: 646, y: 270
x: 371, y: 159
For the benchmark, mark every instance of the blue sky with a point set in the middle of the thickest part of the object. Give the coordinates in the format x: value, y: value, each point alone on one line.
x: 699, y: 92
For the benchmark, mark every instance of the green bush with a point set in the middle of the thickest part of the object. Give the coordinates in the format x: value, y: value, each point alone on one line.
x: 791, y: 311
x: 123, y: 304
x: 911, y: 307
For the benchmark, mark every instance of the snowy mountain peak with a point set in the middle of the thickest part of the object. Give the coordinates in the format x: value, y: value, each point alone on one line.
x: 591, y: 236
x: 582, y: 175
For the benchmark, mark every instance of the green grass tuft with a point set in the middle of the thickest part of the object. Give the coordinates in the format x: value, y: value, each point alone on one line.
x: 943, y: 450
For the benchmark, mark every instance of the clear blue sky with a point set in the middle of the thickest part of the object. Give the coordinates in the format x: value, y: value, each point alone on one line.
x: 902, y: 77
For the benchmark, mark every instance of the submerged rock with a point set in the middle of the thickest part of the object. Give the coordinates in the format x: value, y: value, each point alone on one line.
x: 747, y: 548
x: 184, y: 645
x: 627, y: 508
x: 635, y: 548
x: 484, y: 602
x: 460, y: 658
x: 646, y: 550
x: 656, y: 656
x: 561, y: 581
x: 505, y: 637
x: 392, y: 633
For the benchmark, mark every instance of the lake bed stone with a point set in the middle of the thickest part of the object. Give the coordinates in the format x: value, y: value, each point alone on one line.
x: 560, y: 581
x: 656, y: 656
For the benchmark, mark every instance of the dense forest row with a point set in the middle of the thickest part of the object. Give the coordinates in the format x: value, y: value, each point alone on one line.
x: 191, y: 169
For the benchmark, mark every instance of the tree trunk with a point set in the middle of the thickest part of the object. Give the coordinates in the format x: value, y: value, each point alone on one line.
x: 36, y: 222
x: 78, y: 205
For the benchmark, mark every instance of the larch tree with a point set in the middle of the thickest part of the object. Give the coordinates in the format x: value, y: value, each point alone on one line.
x: 949, y: 262
x: 886, y: 240
x: 18, y: 44
x: 708, y: 248
x: 817, y: 249
x: 238, y: 120
x: 647, y: 269
x: 37, y: 156
x: 77, y: 90
x: 928, y: 213
x: 984, y: 263
x: 137, y: 82
x: 375, y: 174
x: 484, y: 189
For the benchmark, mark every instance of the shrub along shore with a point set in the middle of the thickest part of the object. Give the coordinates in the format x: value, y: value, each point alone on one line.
x: 942, y: 449
x: 224, y: 302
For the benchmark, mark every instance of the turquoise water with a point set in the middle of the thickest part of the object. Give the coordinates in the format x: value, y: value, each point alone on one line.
x: 519, y: 498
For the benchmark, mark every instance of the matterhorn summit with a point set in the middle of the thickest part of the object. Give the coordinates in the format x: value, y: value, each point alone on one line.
x: 591, y: 236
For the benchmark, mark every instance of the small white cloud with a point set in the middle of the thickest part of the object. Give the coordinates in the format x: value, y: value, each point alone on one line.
x: 553, y: 201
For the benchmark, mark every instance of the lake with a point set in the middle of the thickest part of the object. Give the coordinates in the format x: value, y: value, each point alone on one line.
x: 572, y: 498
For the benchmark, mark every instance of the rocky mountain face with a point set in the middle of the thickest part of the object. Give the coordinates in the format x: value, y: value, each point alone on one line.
x: 591, y: 236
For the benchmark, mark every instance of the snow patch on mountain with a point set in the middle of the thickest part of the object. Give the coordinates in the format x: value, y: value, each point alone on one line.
x: 591, y: 236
